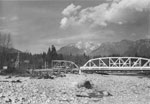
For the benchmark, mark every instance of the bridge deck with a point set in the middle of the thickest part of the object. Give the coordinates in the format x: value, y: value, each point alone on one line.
x: 115, y: 68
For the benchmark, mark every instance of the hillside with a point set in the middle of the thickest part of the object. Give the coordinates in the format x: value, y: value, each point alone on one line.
x: 9, y: 50
x: 124, y: 48
x: 114, y: 48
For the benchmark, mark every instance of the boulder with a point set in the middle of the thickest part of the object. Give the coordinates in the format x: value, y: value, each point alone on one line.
x: 87, y: 84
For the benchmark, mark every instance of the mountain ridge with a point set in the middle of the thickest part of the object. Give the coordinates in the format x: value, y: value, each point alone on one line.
x: 122, y: 48
x: 79, y: 48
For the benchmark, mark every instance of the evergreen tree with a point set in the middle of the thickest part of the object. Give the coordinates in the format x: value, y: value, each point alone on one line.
x: 60, y: 57
x: 54, y: 53
x: 44, y: 57
x: 49, y: 56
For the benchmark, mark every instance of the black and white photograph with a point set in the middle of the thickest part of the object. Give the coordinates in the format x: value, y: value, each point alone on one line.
x: 74, y: 51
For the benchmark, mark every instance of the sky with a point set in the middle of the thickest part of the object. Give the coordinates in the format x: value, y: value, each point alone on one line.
x: 37, y: 24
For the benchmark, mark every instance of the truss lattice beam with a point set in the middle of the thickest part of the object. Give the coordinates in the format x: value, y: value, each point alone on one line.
x: 118, y: 62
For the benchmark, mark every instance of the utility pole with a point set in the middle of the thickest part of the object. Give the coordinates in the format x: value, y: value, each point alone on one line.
x: 17, y: 61
x: 148, y: 21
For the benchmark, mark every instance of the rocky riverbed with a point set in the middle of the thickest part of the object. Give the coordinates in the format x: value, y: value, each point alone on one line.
x: 105, y: 89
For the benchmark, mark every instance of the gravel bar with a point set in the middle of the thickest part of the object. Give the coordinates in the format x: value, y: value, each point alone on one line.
x: 64, y: 90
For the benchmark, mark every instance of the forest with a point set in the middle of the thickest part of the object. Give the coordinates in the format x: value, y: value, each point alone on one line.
x: 13, y: 58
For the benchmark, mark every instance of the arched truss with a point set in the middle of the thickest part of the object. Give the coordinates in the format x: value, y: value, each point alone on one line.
x: 63, y: 64
x: 115, y: 63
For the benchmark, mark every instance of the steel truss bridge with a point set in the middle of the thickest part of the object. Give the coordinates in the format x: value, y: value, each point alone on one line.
x: 58, y: 66
x: 118, y: 64
x: 105, y: 65
x: 63, y: 64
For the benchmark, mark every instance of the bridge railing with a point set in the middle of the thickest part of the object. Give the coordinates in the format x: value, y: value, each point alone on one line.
x: 117, y: 63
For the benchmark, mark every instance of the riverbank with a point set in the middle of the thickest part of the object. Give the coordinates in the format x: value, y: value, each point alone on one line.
x: 65, y: 90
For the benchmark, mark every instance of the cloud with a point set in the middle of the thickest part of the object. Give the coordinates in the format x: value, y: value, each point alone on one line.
x: 70, y: 13
x: 71, y: 39
x: 2, y: 18
x: 13, y: 32
x: 65, y: 22
x: 71, y: 9
x: 117, y: 11
x: 127, y: 11
x: 94, y: 15
x: 7, y: 19
x: 14, y: 18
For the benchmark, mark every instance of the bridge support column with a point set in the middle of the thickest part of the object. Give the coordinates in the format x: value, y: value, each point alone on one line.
x: 80, y: 72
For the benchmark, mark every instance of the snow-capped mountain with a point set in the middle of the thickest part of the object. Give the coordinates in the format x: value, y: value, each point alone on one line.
x: 87, y: 47
x: 123, y: 48
x: 79, y: 48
